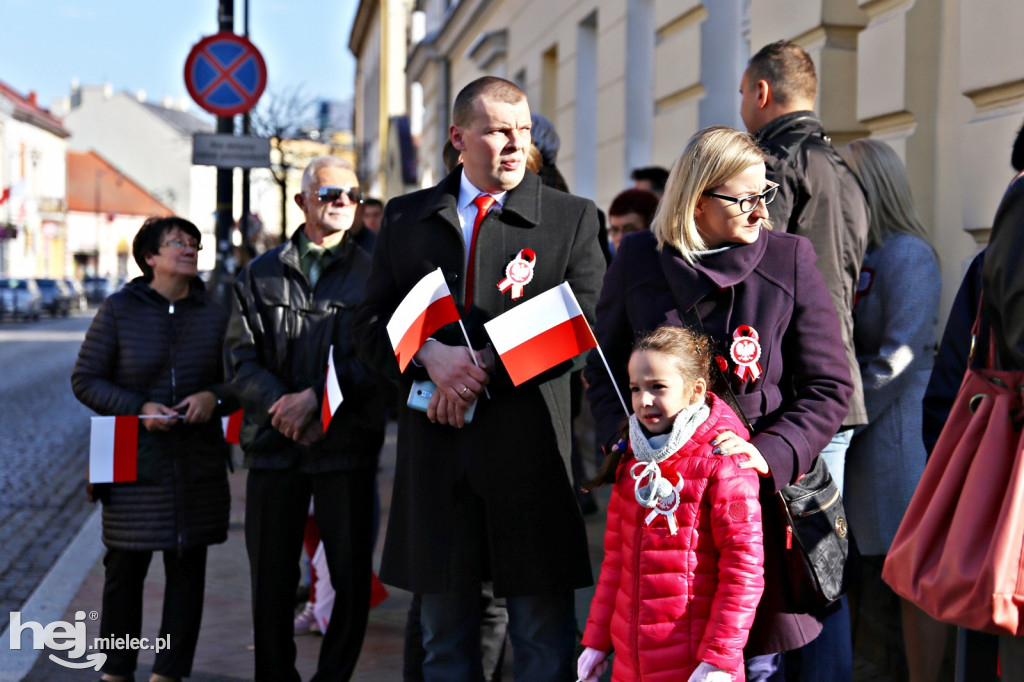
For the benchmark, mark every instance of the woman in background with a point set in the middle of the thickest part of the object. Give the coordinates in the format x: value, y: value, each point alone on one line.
x: 895, y: 318
x: 155, y: 349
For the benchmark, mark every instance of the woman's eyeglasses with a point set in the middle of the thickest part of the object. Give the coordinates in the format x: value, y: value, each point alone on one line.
x: 329, y: 194
x: 748, y: 204
x: 179, y: 245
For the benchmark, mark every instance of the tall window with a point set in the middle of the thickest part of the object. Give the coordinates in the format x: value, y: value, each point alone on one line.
x: 549, y: 83
x: 639, y: 133
x: 585, y: 183
x: 725, y: 48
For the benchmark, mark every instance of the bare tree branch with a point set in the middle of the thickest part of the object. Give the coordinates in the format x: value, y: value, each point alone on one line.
x: 283, y: 115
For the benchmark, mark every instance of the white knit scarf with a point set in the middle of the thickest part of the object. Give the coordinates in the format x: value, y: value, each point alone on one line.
x: 650, y: 486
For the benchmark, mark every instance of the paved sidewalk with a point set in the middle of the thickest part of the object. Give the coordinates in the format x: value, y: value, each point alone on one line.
x: 224, y: 652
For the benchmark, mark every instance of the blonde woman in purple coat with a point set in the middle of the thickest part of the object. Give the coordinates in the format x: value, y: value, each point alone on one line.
x: 711, y: 254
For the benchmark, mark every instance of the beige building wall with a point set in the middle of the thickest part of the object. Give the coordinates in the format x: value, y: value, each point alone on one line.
x: 379, y: 41
x: 626, y: 82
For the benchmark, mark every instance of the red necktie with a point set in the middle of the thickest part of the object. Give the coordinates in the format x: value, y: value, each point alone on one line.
x: 483, y: 205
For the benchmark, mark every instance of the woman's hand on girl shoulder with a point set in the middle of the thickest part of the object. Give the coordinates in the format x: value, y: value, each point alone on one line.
x: 729, y: 444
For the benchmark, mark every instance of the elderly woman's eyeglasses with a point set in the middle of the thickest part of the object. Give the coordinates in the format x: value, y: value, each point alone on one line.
x: 180, y: 245
x: 329, y: 194
x: 748, y: 204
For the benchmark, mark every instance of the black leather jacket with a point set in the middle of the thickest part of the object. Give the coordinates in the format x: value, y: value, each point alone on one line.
x: 277, y: 343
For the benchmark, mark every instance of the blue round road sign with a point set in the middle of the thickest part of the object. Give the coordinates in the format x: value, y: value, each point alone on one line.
x: 225, y: 74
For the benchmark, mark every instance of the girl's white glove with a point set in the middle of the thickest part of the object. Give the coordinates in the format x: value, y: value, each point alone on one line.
x: 591, y: 665
x: 706, y: 672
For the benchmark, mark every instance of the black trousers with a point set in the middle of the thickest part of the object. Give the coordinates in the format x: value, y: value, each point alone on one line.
x: 182, y: 612
x: 276, y: 507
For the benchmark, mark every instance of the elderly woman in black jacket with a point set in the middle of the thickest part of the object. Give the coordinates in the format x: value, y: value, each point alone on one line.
x: 154, y: 349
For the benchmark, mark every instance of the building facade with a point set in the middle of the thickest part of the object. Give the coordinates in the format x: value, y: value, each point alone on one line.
x: 626, y: 82
x: 386, y: 132
x: 33, y: 214
x: 149, y: 143
x: 106, y: 208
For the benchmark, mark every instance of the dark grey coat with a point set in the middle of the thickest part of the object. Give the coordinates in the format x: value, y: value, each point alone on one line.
x: 821, y: 199
x: 515, y: 453
x: 896, y: 315
x: 181, y: 498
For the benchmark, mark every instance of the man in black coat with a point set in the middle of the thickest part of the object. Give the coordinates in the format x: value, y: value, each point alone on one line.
x: 819, y: 198
x: 291, y: 306
x: 490, y: 499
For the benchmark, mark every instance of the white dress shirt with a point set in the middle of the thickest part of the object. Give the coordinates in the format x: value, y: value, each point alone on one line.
x: 467, y: 209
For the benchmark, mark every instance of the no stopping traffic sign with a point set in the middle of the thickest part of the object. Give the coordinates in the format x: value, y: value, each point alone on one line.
x: 225, y: 74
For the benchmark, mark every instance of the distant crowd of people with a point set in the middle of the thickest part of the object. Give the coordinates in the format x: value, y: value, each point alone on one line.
x: 767, y: 301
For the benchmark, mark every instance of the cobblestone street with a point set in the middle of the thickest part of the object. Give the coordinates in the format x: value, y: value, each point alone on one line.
x: 44, y: 438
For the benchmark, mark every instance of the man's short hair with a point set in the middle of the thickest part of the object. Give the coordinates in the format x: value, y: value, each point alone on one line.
x: 372, y: 201
x: 309, y: 175
x: 495, y: 88
x: 787, y: 68
x: 638, y: 201
x: 656, y: 175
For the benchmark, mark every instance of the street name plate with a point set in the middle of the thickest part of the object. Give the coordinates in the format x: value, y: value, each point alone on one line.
x: 224, y: 150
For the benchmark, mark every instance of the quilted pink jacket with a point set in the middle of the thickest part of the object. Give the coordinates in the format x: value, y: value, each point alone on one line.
x: 666, y: 602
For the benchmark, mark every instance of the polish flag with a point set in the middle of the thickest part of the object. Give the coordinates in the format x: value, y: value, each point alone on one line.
x: 332, y: 392
x: 232, y: 425
x: 114, y: 449
x: 540, y: 333
x: 426, y: 308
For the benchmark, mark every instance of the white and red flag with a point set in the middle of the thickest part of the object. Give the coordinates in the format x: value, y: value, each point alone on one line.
x: 426, y: 308
x: 114, y: 449
x: 332, y: 392
x: 232, y: 425
x: 540, y: 333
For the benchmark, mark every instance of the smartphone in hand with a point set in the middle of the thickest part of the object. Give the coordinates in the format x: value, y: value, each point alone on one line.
x: 421, y: 393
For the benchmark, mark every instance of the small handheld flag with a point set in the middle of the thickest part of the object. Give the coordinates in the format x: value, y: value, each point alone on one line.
x: 114, y: 449
x: 232, y: 425
x: 332, y: 392
x: 540, y: 333
x: 426, y: 308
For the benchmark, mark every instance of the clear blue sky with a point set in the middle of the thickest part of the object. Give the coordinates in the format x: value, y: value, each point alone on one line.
x: 142, y: 44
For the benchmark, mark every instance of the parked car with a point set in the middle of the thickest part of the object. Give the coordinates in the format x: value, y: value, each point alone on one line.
x: 78, y: 299
x: 56, y: 296
x: 20, y: 298
x: 98, y: 288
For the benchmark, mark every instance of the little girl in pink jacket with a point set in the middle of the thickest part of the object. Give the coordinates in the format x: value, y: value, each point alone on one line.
x: 682, y: 571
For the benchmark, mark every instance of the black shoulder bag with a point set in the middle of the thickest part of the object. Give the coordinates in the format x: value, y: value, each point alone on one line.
x: 811, y: 510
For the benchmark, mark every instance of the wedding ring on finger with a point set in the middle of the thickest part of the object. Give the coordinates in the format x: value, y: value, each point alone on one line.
x: 462, y: 393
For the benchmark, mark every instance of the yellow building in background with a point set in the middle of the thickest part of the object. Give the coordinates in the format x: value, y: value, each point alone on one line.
x: 626, y: 82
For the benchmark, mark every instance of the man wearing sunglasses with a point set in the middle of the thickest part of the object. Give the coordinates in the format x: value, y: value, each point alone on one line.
x: 819, y: 198
x: 292, y: 305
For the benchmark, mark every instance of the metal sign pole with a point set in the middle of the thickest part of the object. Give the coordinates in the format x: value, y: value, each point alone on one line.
x: 224, y: 272
x: 246, y: 130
